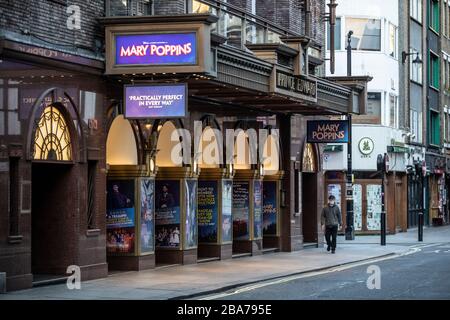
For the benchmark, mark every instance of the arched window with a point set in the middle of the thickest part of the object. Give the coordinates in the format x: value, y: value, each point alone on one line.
x: 309, y: 161
x: 52, y: 137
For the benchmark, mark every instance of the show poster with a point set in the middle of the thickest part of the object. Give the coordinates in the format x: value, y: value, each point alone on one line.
x: 241, y: 210
x: 120, y: 240
x: 156, y: 49
x: 147, y: 215
x: 227, y: 215
x: 155, y: 101
x: 208, y: 207
x: 167, y: 213
x: 257, y: 208
x: 270, y: 208
x: 120, y: 216
x: 191, y: 213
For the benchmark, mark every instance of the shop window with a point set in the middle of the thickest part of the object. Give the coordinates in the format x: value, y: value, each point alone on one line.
x: 433, y: 14
x: 52, y: 137
x: 337, y: 35
x: 434, y: 73
x: 366, y: 33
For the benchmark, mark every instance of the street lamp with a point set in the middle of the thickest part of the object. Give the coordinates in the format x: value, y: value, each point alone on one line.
x: 416, y: 60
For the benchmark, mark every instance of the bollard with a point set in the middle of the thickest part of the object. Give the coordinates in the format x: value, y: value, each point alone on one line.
x: 420, y: 228
x: 383, y: 228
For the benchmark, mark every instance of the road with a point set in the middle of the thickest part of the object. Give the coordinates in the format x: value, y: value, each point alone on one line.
x: 424, y: 273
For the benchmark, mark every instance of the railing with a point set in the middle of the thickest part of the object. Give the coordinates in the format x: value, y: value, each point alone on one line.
x: 235, y: 24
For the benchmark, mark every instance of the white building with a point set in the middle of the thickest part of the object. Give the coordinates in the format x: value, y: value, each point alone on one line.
x: 375, y: 53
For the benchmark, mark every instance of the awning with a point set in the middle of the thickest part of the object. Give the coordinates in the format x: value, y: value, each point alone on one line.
x: 333, y: 148
x: 397, y: 149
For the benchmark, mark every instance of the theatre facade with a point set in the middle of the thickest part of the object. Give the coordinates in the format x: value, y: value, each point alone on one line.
x: 185, y: 144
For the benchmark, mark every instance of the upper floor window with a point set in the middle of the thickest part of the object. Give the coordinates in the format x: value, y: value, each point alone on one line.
x: 129, y: 7
x: 392, y: 40
x: 337, y: 35
x: 393, y: 111
x: 9, y: 107
x: 433, y: 14
x: 415, y: 69
x: 415, y: 9
x: 366, y: 33
x: 434, y: 71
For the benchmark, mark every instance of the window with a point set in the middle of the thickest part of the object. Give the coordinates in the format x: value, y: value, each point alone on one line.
x: 416, y: 125
x: 337, y: 35
x: 445, y: 18
x: 373, y: 108
x: 415, y: 7
x: 366, y: 33
x: 14, y: 194
x: 433, y: 14
x: 435, y: 135
x: 434, y: 73
x: 393, y: 111
x: 392, y: 40
x: 129, y: 7
x: 9, y: 108
x: 52, y: 137
x: 415, y: 69
x: 446, y: 123
x: 446, y: 71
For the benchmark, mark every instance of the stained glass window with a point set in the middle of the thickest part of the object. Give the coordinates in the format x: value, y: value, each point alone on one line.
x: 52, y: 137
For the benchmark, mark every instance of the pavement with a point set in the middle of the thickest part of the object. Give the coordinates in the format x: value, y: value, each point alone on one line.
x: 190, y: 281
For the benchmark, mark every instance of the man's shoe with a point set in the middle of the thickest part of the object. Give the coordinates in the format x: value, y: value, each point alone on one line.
x: 333, y: 251
x: 328, y: 248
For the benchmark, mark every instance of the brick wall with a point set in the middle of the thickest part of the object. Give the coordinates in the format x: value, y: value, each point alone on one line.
x: 169, y: 7
x: 47, y: 22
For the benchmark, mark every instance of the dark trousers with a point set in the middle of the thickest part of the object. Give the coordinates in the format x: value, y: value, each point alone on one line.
x: 330, y: 236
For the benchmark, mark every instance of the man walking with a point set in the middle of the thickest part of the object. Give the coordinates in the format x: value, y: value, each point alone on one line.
x: 331, y: 219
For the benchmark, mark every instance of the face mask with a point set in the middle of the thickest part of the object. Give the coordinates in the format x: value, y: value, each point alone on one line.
x: 331, y: 203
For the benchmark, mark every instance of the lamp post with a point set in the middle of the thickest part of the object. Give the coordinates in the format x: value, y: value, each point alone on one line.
x: 349, y: 221
x: 349, y: 53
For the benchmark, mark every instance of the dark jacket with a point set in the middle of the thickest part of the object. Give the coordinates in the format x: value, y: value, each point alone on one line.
x: 331, y: 216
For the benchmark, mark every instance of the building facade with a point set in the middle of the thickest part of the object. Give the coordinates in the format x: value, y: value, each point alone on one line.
x: 98, y: 172
x: 382, y: 129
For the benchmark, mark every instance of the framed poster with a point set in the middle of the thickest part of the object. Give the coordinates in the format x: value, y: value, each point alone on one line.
x: 241, y: 210
x: 257, y: 208
x: 120, y: 219
x: 208, y: 210
x: 191, y: 213
x: 155, y: 101
x: 167, y: 213
x: 147, y: 215
x: 357, y: 207
x: 373, y: 196
x: 270, y: 208
x: 227, y: 216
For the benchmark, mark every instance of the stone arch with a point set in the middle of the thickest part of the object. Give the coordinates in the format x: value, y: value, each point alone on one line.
x: 121, y: 147
x: 167, y: 137
x: 69, y: 113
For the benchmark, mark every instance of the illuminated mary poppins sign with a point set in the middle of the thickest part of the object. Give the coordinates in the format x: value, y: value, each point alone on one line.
x: 156, y: 49
x: 155, y: 101
x: 327, y: 131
